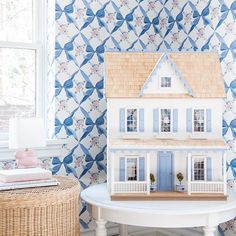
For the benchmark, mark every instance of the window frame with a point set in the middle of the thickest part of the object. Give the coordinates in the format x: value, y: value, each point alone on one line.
x: 39, y: 45
x: 193, y: 130
x: 171, y: 120
x: 205, y: 167
x: 126, y: 113
x: 165, y: 87
x: 126, y: 167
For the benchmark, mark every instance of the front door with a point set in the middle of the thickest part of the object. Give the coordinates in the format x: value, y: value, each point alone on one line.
x: 165, y: 177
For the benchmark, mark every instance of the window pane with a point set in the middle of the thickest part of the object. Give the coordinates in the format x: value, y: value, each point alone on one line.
x: 16, y: 20
x: 131, y: 168
x: 199, y: 170
x: 131, y: 120
x: 165, y: 120
x: 17, y: 84
x: 165, y: 82
x: 198, y: 120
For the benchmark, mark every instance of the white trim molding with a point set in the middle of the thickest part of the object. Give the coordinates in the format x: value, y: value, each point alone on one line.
x: 53, y: 148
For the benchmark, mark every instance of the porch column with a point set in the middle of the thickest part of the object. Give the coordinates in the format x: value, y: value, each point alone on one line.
x: 189, y: 173
x: 148, y: 173
x: 224, y: 172
x: 112, y: 171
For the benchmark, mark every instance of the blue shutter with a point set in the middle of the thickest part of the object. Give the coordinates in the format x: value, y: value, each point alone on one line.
x: 209, y: 169
x: 189, y: 120
x: 175, y: 120
x: 122, y: 169
x: 122, y: 119
x: 141, y: 169
x: 208, y: 120
x: 141, y: 120
x: 156, y: 120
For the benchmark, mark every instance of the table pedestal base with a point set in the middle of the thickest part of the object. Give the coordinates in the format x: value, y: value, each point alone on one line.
x: 123, y: 230
x: 209, y: 231
x: 101, y: 228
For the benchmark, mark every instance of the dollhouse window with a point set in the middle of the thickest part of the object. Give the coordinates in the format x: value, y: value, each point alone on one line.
x: 199, y: 120
x: 165, y: 82
x: 165, y: 120
x: 132, y: 169
x: 132, y: 120
x: 199, y: 169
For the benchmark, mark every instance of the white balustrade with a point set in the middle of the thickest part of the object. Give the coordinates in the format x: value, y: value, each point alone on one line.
x: 206, y: 187
x: 130, y: 187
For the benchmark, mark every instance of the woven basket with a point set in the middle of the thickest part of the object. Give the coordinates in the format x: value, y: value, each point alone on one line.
x: 44, y: 211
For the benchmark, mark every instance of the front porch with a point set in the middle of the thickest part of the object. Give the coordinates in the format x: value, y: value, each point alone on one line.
x: 206, y: 183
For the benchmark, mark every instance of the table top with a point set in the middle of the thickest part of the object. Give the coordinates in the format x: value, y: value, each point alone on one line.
x: 98, y: 195
x: 40, y: 195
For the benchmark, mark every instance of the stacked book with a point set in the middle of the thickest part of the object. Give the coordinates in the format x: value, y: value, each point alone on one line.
x: 26, y: 178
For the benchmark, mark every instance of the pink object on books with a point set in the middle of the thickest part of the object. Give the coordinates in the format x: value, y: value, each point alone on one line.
x: 16, y: 175
x: 26, y: 158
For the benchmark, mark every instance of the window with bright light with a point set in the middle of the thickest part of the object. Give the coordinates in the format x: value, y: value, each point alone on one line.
x: 199, y: 120
x: 165, y: 120
x: 132, y: 169
x: 21, y: 59
x: 132, y: 120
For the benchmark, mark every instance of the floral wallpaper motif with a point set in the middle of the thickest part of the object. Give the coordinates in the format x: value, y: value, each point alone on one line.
x: 85, y: 29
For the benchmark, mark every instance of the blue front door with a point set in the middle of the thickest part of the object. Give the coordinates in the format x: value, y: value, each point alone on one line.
x: 165, y: 175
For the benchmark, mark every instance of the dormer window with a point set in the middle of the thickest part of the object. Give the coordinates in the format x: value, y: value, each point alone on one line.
x: 165, y: 82
x: 132, y: 120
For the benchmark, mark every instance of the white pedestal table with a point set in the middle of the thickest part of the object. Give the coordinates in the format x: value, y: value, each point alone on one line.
x: 163, y: 214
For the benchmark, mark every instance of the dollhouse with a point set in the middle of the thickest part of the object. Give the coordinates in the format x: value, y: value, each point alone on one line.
x: 164, y: 117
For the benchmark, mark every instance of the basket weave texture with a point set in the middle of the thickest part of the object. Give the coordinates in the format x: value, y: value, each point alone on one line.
x: 41, y: 211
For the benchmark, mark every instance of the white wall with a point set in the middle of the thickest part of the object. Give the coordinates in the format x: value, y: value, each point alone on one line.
x: 151, y: 103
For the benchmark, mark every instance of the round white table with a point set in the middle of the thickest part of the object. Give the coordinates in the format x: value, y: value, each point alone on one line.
x: 163, y: 214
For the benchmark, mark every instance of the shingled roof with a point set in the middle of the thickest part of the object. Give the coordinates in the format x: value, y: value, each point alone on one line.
x: 126, y: 73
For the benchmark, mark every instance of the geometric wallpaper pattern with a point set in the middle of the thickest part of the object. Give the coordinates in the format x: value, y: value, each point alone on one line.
x: 85, y: 29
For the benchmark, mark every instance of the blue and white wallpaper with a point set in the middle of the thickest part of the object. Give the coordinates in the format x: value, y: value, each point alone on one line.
x: 85, y: 29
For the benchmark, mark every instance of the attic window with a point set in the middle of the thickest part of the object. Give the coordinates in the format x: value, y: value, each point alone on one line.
x: 165, y: 82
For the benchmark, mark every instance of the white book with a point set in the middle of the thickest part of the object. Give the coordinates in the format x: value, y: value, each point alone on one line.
x: 14, y: 175
x: 28, y: 184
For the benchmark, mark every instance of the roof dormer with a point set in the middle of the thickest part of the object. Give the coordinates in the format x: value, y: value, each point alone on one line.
x: 165, y: 78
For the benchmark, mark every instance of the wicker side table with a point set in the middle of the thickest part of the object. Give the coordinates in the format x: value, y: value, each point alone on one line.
x: 43, y: 211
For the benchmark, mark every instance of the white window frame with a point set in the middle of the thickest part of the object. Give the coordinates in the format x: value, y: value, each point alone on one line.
x: 133, y: 132
x: 171, y: 120
x: 205, y: 166
x: 126, y: 167
x: 39, y: 44
x: 171, y: 81
x: 199, y: 108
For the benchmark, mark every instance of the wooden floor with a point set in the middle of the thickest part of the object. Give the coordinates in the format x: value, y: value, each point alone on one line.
x: 165, y: 196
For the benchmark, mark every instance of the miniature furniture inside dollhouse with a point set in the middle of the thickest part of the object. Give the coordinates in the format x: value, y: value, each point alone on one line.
x: 164, y: 117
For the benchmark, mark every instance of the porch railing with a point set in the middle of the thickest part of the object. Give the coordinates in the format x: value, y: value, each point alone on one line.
x: 130, y: 187
x: 206, y: 187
